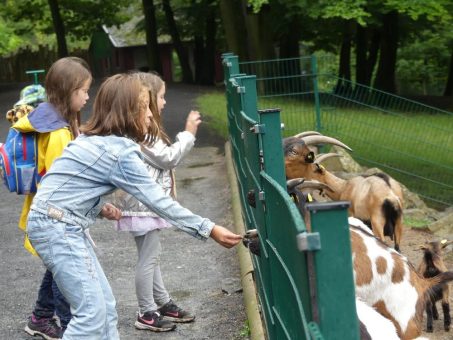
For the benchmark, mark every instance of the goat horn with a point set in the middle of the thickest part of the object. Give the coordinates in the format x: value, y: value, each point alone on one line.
x: 323, y: 156
x: 310, y: 140
x: 314, y: 185
x: 302, y: 183
x: 291, y: 183
x: 307, y: 133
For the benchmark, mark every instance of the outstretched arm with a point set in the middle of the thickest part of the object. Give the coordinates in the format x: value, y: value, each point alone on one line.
x: 224, y: 237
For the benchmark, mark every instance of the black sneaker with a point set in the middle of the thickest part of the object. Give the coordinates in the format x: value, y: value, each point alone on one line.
x: 154, y: 322
x: 172, y: 312
x: 46, y: 328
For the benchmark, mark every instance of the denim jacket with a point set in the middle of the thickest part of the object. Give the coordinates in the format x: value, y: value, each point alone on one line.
x: 93, y: 166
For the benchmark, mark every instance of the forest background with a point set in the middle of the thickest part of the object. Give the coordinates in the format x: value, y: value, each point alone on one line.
x: 399, y: 46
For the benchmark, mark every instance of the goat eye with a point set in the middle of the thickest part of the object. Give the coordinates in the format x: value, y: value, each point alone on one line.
x: 310, y: 157
x: 293, y: 152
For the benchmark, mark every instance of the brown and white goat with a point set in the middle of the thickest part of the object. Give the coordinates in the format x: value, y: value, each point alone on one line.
x: 376, y: 199
x: 386, y: 280
x: 430, y: 266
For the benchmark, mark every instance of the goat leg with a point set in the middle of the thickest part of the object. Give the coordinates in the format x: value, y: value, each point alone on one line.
x: 429, y: 316
x: 435, y: 312
x: 447, y: 318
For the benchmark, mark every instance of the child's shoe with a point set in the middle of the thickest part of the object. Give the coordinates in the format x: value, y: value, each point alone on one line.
x: 153, y: 321
x: 46, y: 328
x: 172, y: 312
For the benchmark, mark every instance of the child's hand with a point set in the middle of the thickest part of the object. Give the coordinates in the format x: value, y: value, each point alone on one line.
x: 224, y: 237
x: 110, y: 212
x: 192, y: 122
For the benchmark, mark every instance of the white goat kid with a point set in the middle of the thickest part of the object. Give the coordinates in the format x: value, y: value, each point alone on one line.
x: 388, y: 282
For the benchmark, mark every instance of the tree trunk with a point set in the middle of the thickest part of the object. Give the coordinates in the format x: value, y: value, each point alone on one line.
x: 259, y: 33
x: 385, y: 76
x: 207, y: 72
x: 344, y: 71
x: 152, y: 46
x: 373, y: 52
x: 366, y: 53
x: 449, y: 87
x: 289, y: 42
x: 179, y: 47
x: 58, y: 26
x: 361, y: 66
x: 289, y: 48
x: 234, y: 26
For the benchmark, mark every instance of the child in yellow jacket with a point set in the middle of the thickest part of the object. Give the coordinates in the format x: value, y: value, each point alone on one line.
x: 56, y: 121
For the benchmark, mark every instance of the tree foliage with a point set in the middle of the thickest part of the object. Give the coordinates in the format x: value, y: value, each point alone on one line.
x: 395, y: 45
x: 32, y: 19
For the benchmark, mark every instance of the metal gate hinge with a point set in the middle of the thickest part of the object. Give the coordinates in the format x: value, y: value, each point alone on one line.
x: 257, y: 128
x: 261, y: 196
x: 240, y: 89
x: 308, y: 241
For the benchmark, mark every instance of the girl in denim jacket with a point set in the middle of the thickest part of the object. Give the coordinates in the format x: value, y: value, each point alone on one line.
x: 161, y: 157
x: 105, y: 157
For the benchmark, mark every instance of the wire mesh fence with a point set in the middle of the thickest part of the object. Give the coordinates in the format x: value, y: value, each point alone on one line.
x: 410, y: 141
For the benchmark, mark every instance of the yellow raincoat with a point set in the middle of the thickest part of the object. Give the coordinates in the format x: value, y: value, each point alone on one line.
x: 50, y: 146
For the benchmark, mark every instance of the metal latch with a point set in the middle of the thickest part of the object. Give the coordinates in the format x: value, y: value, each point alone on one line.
x: 308, y: 241
x: 258, y: 128
x: 240, y: 89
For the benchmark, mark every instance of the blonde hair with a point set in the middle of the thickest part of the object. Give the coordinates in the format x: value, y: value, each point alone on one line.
x: 118, y: 109
x: 154, y: 83
x: 65, y: 76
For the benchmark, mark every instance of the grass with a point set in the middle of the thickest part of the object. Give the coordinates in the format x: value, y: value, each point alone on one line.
x: 414, y: 148
x: 416, y: 223
x: 245, y: 331
x: 213, y: 107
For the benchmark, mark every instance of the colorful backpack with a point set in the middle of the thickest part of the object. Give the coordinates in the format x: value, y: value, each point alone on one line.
x: 18, y: 162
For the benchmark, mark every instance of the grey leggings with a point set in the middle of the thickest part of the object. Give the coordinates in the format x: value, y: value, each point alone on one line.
x: 149, y: 286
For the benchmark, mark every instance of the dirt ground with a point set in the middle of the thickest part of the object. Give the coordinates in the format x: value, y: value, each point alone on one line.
x: 412, y: 239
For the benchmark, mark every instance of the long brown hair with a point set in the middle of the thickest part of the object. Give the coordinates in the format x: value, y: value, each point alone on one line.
x: 65, y: 76
x: 154, y: 83
x: 118, y: 109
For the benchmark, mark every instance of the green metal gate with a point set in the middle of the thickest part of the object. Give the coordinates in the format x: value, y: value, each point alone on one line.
x: 303, y: 276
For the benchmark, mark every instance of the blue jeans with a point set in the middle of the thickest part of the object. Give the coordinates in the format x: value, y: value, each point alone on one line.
x: 50, y: 301
x: 67, y: 253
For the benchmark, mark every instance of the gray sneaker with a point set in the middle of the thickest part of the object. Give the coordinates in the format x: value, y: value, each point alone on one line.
x: 46, y: 328
x: 173, y: 313
x: 153, y: 321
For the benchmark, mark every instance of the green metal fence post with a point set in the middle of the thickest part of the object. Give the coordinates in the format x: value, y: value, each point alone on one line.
x: 314, y: 71
x: 272, y: 143
x: 333, y: 266
x: 251, y: 164
x: 230, y: 65
x: 291, y: 307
